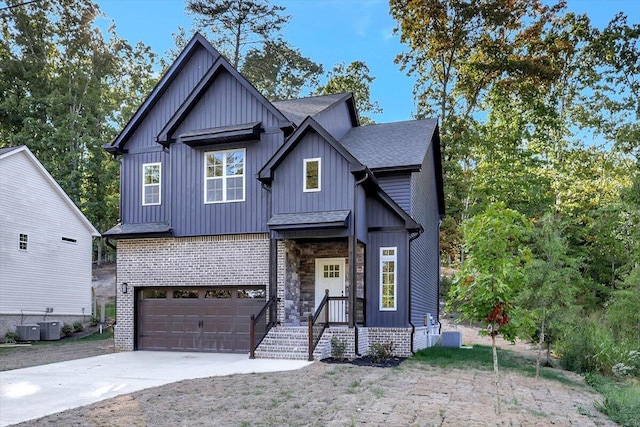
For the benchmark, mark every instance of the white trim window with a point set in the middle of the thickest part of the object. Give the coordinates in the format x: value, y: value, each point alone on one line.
x: 388, y: 279
x: 151, y: 179
x: 224, y: 176
x: 311, y: 175
x: 23, y: 242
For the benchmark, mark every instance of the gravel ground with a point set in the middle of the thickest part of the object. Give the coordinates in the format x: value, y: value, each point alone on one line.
x: 413, y: 394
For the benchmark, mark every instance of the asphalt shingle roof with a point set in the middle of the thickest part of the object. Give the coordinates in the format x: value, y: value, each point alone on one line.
x: 141, y: 228
x: 297, y: 110
x: 8, y: 149
x: 389, y: 145
x: 309, y: 218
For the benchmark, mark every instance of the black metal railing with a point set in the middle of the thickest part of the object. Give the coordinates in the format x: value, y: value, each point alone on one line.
x: 260, y: 324
x: 318, y: 323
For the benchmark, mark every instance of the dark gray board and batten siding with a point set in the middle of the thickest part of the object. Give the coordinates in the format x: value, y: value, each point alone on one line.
x: 337, y: 182
x: 375, y: 317
x: 335, y: 120
x: 143, y: 148
x: 183, y: 168
x: 425, y: 269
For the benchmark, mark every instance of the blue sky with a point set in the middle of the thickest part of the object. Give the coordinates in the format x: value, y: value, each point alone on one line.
x: 329, y: 32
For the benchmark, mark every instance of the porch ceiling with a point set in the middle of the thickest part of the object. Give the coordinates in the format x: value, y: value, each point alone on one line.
x: 309, y: 220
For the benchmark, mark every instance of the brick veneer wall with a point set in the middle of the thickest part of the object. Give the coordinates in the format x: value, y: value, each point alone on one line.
x: 232, y: 260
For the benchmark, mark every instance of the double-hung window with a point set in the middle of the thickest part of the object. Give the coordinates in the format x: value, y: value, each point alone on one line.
x: 151, y: 176
x: 311, y: 175
x: 23, y: 242
x: 224, y: 176
x: 388, y: 284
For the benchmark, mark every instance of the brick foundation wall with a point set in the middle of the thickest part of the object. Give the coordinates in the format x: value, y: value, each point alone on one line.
x: 233, y: 260
x: 400, y: 337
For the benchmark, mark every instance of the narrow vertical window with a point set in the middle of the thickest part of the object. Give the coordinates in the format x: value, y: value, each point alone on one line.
x: 151, y: 176
x: 311, y: 175
x: 23, y: 242
x: 388, y: 288
x: 224, y: 176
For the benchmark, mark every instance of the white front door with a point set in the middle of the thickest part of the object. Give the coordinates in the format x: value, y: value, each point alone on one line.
x: 330, y: 274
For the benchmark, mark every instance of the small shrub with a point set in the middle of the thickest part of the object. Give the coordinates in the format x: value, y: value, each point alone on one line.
x: 94, y: 322
x: 381, y: 352
x: 11, y: 337
x: 337, y: 348
x: 78, y: 327
x: 66, y: 330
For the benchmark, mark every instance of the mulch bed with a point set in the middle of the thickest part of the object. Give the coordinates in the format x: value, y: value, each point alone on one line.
x: 367, y: 361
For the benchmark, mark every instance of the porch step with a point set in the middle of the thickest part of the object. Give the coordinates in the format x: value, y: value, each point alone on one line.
x: 287, y: 342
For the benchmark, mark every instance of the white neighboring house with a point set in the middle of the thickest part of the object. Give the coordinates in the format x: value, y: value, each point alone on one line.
x: 45, y: 246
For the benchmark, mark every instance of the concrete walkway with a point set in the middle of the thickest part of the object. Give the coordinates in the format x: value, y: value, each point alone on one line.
x: 30, y: 393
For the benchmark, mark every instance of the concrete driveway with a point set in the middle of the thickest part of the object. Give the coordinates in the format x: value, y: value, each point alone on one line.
x: 30, y: 393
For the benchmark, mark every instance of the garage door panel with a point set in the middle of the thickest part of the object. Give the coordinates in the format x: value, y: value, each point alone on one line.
x: 217, y: 320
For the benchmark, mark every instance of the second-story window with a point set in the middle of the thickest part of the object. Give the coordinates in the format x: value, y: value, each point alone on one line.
x: 151, y: 175
x: 224, y: 176
x: 311, y: 175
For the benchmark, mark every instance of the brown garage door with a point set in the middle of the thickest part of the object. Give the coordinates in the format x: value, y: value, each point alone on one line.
x: 197, y: 319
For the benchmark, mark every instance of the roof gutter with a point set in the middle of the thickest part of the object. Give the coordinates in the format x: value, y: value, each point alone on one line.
x: 413, y: 327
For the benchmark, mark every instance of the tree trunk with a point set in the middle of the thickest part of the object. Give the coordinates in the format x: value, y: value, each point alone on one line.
x: 540, y: 343
x: 495, y: 368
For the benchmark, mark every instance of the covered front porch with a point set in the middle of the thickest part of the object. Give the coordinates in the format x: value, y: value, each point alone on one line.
x: 315, y: 273
x: 314, y: 293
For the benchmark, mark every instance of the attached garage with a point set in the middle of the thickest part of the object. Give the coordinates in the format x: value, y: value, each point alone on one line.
x: 196, y: 319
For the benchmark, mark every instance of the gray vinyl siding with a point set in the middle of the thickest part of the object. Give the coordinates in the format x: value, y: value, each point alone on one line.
x: 375, y: 317
x: 336, y: 179
x: 132, y: 210
x: 142, y: 147
x: 398, y: 187
x: 379, y: 215
x: 226, y: 102
x: 335, y: 120
x: 425, y: 249
x: 190, y: 216
x: 171, y: 100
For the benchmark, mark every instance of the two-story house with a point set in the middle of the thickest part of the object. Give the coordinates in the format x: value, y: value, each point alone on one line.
x: 291, y: 212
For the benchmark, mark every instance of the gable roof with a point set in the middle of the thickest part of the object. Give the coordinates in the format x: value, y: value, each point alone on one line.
x: 308, y: 125
x: 391, y: 145
x: 297, y: 110
x: 197, y: 41
x: 219, y: 65
x: 10, y: 151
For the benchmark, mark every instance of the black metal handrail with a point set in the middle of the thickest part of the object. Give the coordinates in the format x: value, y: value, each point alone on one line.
x: 260, y: 324
x: 315, y: 338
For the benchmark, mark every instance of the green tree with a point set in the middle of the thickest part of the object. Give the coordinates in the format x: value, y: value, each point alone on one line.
x: 279, y: 71
x: 354, y: 78
x: 235, y: 24
x: 485, y: 290
x: 553, y: 280
x: 66, y: 88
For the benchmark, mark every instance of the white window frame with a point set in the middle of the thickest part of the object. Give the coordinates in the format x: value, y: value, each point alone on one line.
x: 304, y: 175
x: 145, y: 186
x: 22, y: 241
x: 224, y: 177
x: 394, y: 259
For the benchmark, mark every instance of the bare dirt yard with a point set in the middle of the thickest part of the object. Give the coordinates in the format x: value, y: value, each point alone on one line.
x: 413, y: 394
